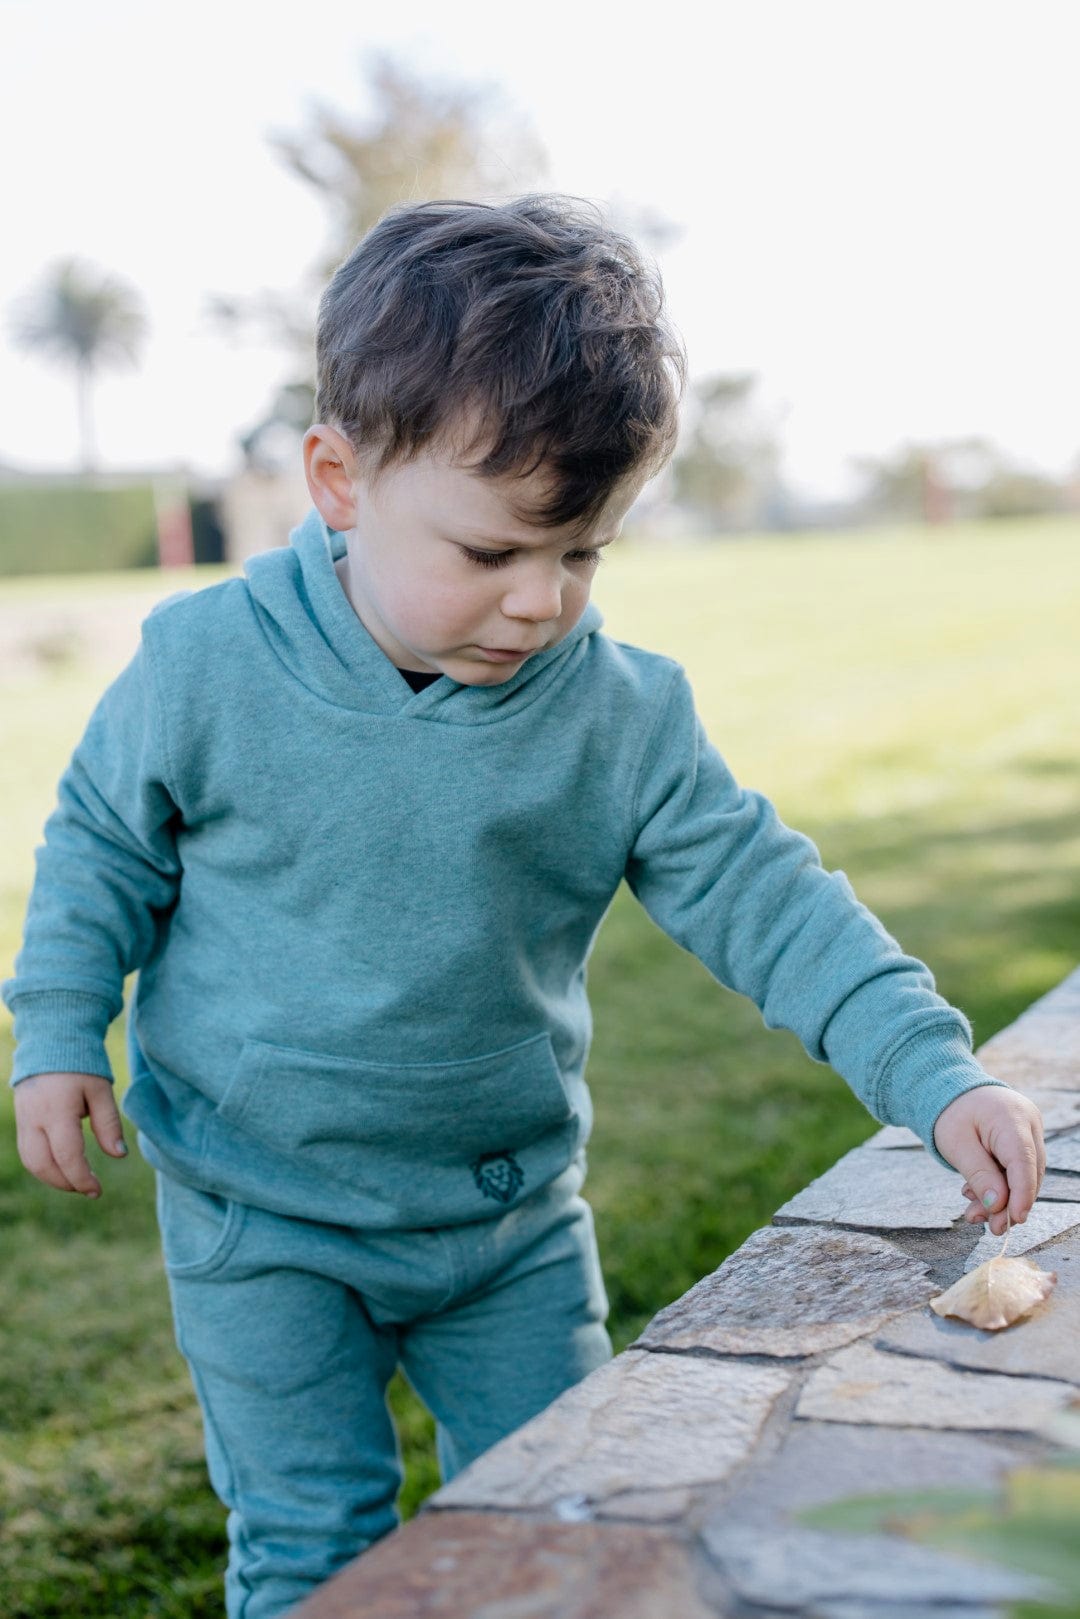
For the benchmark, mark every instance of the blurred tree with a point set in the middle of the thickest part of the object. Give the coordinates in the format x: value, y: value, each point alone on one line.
x: 726, y: 469
x: 1012, y: 492
x: 421, y: 142
x: 272, y: 441
x: 908, y: 484
x: 966, y: 477
x: 83, y: 318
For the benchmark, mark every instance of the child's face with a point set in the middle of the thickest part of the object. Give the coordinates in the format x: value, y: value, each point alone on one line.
x: 439, y: 571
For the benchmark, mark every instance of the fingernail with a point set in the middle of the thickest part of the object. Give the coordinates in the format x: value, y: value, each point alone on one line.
x: 121, y: 1148
x: 989, y: 1199
x: 94, y: 1194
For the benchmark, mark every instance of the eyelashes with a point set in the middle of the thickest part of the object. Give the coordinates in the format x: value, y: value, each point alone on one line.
x: 500, y: 559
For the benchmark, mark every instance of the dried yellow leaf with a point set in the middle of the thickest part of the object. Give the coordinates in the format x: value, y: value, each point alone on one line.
x: 997, y: 1293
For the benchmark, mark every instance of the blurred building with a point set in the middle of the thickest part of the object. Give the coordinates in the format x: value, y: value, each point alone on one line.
x: 77, y: 522
x: 257, y: 510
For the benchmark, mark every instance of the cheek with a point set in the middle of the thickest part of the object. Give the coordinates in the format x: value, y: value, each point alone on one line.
x: 441, y: 595
x: 575, y: 598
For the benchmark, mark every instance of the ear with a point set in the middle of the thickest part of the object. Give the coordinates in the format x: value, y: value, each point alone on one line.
x: 330, y: 470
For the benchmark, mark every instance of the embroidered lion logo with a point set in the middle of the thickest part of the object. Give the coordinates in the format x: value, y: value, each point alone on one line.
x: 498, y: 1174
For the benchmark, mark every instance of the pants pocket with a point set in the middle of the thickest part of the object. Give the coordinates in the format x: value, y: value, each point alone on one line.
x: 199, y: 1230
x: 242, y: 1316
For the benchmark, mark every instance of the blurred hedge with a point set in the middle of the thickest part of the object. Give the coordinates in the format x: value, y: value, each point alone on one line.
x: 58, y: 528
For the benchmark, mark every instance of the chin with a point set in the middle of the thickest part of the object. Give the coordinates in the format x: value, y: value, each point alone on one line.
x: 491, y: 674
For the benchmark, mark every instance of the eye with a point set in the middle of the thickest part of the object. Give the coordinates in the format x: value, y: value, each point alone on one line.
x: 499, y: 559
x: 488, y: 559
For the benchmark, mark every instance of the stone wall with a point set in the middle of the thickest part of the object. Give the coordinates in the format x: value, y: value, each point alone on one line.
x: 806, y: 1369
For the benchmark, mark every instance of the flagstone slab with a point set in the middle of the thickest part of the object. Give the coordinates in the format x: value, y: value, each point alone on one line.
x: 1059, y: 1188
x: 1046, y: 1221
x: 791, y: 1290
x: 865, y: 1384
x: 1041, y: 1049
x: 643, y: 1422
x: 1063, y: 1152
x: 644, y: 1506
x: 894, y: 1135
x: 943, y: 1252
x: 1027, y: 1073
x: 880, y: 1190
x: 483, y: 1565
x: 776, y: 1562
x: 1045, y: 1343
x: 1037, y: 1052
x: 647, y: 1506
x: 1060, y: 1109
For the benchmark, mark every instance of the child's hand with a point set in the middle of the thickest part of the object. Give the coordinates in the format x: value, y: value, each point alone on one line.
x: 49, y: 1110
x: 994, y: 1136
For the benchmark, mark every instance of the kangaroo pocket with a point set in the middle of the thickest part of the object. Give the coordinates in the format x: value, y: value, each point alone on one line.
x: 402, y: 1144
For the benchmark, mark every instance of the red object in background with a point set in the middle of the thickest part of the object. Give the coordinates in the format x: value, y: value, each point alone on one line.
x: 936, y: 494
x: 176, y: 541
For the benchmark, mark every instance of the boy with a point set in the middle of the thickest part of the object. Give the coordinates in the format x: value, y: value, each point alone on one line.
x: 356, y: 816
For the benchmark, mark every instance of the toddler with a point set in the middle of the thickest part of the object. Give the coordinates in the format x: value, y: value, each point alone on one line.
x: 356, y: 816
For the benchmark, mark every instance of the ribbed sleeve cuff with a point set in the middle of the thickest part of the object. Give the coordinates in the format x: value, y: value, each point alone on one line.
x: 60, y: 1031
x: 923, y: 1076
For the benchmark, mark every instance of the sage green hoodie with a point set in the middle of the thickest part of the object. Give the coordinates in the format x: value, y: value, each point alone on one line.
x: 361, y: 916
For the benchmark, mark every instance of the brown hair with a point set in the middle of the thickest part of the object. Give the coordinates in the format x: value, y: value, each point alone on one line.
x: 530, y: 318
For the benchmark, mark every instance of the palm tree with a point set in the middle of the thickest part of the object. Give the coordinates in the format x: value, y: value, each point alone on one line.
x: 83, y: 318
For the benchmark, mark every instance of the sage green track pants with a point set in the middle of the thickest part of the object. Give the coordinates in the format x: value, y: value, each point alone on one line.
x: 292, y: 1330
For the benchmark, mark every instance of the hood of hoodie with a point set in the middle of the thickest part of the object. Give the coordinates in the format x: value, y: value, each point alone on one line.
x: 312, y: 627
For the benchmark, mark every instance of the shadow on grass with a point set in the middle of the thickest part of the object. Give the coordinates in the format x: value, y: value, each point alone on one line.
x: 993, y: 907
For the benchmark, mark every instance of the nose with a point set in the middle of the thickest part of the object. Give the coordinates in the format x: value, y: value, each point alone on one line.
x: 535, y: 595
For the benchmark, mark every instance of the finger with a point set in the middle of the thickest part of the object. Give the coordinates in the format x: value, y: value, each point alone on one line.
x: 36, y: 1154
x: 1038, y: 1142
x: 985, y: 1185
x: 105, y: 1120
x: 1018, y: 1154
x: 69, y: 1150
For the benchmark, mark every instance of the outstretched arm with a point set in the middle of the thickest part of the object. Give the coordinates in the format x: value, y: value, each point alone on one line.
x: 716, y: 868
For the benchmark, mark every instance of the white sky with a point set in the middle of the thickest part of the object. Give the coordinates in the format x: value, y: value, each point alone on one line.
x: 878, y: 197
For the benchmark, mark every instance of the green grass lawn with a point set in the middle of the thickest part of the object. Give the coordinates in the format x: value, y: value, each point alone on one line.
x: 906, y: 698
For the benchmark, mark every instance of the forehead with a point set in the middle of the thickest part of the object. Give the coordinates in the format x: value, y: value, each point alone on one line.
x: 436, y: 485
